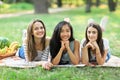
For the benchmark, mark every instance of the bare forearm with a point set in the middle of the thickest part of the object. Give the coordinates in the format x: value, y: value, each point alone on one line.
x: 74, y: 59
x: 85, y: 59
x: 56, y: 60
x: 99, y: 58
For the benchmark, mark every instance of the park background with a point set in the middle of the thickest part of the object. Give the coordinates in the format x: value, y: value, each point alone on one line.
x: 15, y: 16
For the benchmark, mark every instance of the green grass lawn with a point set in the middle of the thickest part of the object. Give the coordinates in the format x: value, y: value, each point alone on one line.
x: 12, y: 28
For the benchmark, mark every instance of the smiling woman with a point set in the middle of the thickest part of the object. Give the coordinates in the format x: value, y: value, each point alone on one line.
x: 94, y: 49
x: 36, y: 45
x: 64, y: 48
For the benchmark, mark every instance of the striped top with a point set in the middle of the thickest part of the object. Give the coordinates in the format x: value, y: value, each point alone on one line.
x: 42, y: 55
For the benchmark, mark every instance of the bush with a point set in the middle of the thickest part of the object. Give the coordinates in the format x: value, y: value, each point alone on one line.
x: 21, y: 6
x: 15, y: 7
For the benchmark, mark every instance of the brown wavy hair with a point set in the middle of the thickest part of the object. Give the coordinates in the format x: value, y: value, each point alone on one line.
x: 31, y: 50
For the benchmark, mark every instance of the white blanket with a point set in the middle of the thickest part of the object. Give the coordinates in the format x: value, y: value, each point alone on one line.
x: 21, y: 63
x: 16, y: 62
x: 113, y: 62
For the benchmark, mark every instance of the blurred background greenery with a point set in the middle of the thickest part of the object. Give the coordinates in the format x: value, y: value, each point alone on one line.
x: 42, y: 6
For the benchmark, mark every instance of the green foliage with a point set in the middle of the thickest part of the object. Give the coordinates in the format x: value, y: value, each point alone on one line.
x: 9, y: 1
x: 15, y: 7
x: 73, y: 2
x: 68, y: 3
x: 15, y: 1
x: 4, y: 6
x: 21, y: 6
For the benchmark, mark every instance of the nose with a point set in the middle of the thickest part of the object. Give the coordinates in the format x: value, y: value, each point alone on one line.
x: 65, y: 33
x: 39, y: 29
x: 90, y: 35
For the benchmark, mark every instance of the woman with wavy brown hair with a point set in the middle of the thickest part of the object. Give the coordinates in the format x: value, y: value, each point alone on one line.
x: 36, y: 45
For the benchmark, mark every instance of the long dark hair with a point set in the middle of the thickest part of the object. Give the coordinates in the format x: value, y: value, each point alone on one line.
x: 55, y: 43
x: 99, y: 38
x: 30, y: 40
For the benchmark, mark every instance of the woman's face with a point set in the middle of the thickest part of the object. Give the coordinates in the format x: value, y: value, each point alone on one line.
x: 38, y: 30
x: 65, y: 33
x: 92, y: 34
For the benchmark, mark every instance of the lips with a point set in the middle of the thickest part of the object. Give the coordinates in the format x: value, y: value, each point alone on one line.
x: 65, y: 38
x: 40, y: 33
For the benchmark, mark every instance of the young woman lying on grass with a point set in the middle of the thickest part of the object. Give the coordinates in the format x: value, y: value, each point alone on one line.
x: 64, y: 49
x: 36, y: 46
x: 94, y: 48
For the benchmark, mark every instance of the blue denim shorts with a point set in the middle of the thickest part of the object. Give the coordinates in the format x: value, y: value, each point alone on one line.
x: 21, y: 52
x: 108, y: 55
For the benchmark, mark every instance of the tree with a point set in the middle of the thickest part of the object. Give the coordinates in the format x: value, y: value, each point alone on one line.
x: 97, y: 3
x: 112, y: 4
x: 40, y: 6
x: 88, y: 5
x: 9, y: 1
x: 59, y: 3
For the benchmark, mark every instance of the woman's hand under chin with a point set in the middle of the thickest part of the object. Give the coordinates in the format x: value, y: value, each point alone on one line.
x: 66, y: 44
x: 90, y: 45
x: 95, y: 44
x: 62, y: 45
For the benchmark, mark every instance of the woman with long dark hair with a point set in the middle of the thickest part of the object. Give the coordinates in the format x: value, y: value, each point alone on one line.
x: 64, y: 49
x: 94, y: 48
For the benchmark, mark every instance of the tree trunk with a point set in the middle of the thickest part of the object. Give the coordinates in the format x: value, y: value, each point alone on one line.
x: 40, y: 6
x: 97, y: 3
x: 112, y: 5
x: 59, y: 3
x: 88, y: 5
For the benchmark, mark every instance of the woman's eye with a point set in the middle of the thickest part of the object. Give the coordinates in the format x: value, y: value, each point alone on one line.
x: 67, y: 30
x: 88, y: 32
x: 36, y: 28
x: 41, y: 27
x: 94, y: 32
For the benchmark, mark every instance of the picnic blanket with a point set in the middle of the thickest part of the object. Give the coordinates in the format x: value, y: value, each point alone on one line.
x: 21, y: 63
x: 113, y: 62
x: 16, y: 62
